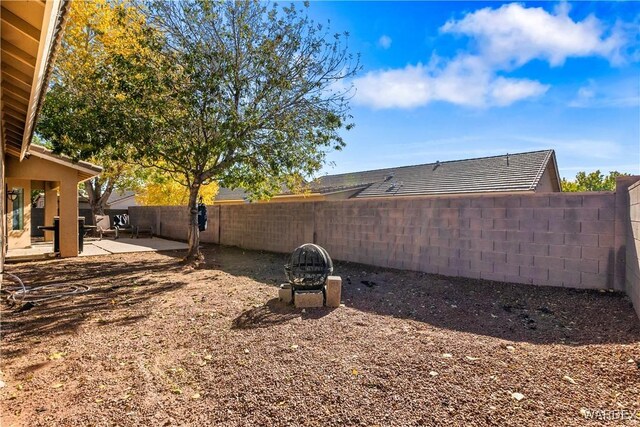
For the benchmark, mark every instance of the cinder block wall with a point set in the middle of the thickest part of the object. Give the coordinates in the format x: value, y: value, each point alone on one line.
x: 551, y: 239
x: 559, y: 239
x: 633, y: 247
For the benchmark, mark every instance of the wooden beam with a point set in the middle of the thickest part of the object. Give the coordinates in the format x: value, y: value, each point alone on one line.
x: 17, y: 104
x: 15, y: 90
x: 20, y: 24
x: 9, y: 126
x: 10, y: 109
x: 16, y: 74
x: 13, y: 133
x: 24, y: 88
x: 19, y: 54
x: 13, y: 120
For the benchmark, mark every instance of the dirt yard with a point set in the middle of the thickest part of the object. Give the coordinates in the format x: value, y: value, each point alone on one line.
x: 154, y: 343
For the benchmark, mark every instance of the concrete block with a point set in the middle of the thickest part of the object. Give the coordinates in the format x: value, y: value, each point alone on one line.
x: 534, y: 225
x: 549, y: 262
x: 482, y: 202
x: 548, y: 213
x: 581, y: 239
x: 285, y: 294
x: 493, y: 213
x: 564, y: 226
x: 548, y: 238
x: 597, y: 227
x: 308, y: 299
x: 506, y: 224
x: 534, y: 201
x: 581, y: 214
x: 565, y: 251
x: 565, y: 200
x: 506, y: 246
x: 520, y: 236
x: 507, y: 202
x: 518, y: 259
x: 520, y: 213
x: 334, y: 291
x: 494, y: 257
x: 581, y: 265
x: 534, y: 249
x: 595, y: 253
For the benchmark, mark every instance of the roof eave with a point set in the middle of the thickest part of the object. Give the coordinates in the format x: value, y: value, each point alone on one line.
x: 57, y: 11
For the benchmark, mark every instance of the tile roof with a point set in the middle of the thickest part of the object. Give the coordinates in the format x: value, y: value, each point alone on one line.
x: 505, y: 173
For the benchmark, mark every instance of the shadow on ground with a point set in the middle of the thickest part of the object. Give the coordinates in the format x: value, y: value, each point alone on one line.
x: 274, y: 312
x: 117, y: 296
x: 513, y: 312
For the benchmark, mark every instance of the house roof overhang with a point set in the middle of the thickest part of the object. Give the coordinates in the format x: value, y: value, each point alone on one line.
x: 30, y: 35
x: 85, y: 170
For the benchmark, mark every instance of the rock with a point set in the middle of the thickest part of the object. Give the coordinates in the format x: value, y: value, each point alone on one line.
x: 433, y: 373
x: 447, y: 355
x: 568, y: 379
x: 510, y: 348
x: 471, y: 358
x: 517, y: 396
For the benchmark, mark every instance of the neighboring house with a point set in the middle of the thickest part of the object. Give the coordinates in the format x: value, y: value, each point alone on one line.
x: 117, y: 200
x: 30, y: 34
x: 122, y: 200
x: 531, y: 172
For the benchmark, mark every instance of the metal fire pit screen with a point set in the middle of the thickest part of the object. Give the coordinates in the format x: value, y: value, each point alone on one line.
x: 308, y: 267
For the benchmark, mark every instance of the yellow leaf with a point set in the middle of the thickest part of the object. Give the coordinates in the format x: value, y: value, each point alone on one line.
x: 196, y: 396
x: 57, y: 385
x: 57, y: 355
x: 354, y: 372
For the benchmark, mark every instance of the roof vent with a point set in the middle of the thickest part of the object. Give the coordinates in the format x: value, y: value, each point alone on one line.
x: 388, y: 177
x: 436, y: 165
x: 507, y: 159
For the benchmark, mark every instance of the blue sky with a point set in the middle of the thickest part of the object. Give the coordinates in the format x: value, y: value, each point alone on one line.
x: 452, y: 80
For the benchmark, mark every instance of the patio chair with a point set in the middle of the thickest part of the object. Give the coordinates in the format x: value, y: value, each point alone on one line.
x: 103, y: 226
x: 143, y: 228
x: 122, y: 224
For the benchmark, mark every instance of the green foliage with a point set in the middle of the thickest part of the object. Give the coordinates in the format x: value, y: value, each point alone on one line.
x: 257, y: 101
x: 594, y: 181
x: 92, y: 109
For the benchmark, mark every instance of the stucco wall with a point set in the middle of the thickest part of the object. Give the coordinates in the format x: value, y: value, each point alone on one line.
x: 559, y: 239
x: 633, y: 247
x: 20, y: 238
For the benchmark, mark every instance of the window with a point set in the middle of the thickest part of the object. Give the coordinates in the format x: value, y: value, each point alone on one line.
x: 17, y: 211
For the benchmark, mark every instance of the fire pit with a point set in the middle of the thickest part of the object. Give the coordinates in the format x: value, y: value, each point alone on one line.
x: 308, y: 267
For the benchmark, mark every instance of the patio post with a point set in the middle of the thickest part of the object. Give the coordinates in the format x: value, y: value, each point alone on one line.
x: 69, y: 217
x: 50, y: 206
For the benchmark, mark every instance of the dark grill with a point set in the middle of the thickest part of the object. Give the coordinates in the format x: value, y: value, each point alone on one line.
x: 308, y: 267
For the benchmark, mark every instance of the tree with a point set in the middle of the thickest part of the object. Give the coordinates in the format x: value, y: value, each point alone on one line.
x: 161, y: 190
x: 90, y: 110
x: 594, y: 181
x: 257, y: 98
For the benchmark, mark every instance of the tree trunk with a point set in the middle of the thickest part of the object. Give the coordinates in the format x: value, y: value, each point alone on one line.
x: 194, y: 255
x: 98, y: 198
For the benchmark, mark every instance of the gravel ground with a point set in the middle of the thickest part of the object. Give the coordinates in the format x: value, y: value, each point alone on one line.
x: 155, y: 343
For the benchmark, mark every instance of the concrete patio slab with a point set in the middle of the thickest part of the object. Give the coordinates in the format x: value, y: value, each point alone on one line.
x: 44, y: 250
x: 125, y: 245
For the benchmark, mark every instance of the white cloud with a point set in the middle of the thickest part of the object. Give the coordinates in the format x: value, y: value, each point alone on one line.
x: 505, y: 38
x: 463, y: 81
x: 592, y: 95
x: 384, y: 42
x: 578, y: 147
x: 513, y: 35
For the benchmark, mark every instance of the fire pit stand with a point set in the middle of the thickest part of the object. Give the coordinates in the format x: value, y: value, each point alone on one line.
x: 309, y: 282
